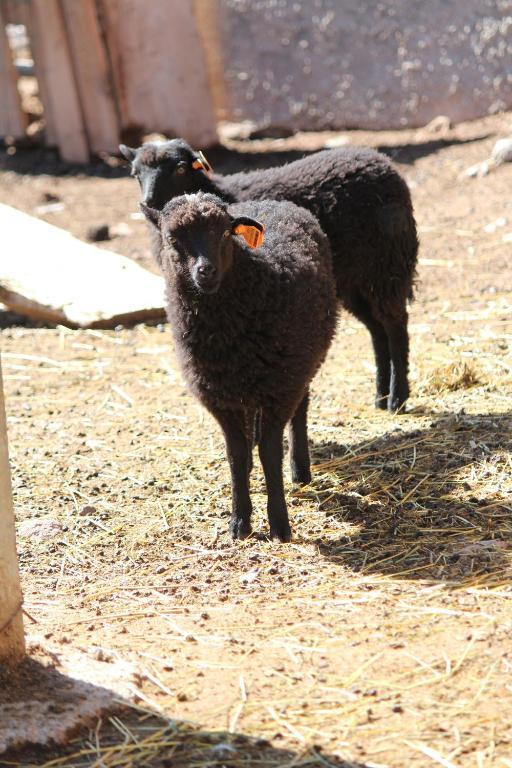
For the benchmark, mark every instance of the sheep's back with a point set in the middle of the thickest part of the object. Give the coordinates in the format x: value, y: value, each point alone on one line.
x: 362, y: 204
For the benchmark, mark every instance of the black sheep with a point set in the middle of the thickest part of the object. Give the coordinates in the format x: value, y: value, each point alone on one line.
x: 364, y: 207
x: 251, y: 327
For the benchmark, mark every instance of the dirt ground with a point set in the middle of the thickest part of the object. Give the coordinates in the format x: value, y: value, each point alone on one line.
x: 381, y: 635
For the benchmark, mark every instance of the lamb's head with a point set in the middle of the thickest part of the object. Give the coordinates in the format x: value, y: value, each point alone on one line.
x: 166, y: 169
x: 200, y: 238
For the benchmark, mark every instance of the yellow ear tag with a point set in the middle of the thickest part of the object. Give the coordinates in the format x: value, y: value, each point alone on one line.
x: 252, y: 235
x: 201, y: 163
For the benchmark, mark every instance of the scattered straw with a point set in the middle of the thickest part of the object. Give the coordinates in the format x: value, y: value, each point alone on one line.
x: 452, y: 377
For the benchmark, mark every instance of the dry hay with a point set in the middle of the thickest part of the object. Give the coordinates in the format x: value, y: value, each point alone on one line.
x: 393, y: 600
x: 448, y: 378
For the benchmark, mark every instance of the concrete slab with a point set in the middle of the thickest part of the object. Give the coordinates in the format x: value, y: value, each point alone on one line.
x: 56, y: 691
x: 51, y: 276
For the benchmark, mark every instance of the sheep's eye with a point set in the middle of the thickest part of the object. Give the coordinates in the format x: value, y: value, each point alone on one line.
x: 169, y: 237
x: 226, y: 233
x: 181, y: 168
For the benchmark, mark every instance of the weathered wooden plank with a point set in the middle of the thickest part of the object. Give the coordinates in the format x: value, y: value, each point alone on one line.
x: 48, y: 274
x: 93, y: 75
x: 206, y: 15
x: 25, y: 16
x: 10, y: 11
x: 13, y: 10
x: 54, y: 68
x: 13, y: 121
x: 160, y: 72
x: 12, y: 640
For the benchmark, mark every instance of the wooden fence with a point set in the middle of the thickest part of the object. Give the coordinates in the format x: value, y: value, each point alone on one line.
x: 108, y: 69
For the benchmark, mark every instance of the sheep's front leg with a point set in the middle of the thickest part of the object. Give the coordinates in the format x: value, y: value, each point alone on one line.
x: 298, y: 438
x: 271, y: 455
x: 238, y: 449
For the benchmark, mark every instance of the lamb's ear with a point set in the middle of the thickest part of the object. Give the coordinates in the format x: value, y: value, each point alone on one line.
x: 250, y: 229
x: 151, y: 214
x: 127, y: 152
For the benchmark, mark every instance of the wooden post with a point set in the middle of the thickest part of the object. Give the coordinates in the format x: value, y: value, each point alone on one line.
x: 207, y: 14
x: 13, y: 121
x: 55, y: 75
x: 12, y: 640
x: 159, y: 70
x: 93, y: 76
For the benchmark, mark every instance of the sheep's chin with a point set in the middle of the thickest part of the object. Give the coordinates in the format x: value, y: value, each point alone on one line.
x: 207, y: 287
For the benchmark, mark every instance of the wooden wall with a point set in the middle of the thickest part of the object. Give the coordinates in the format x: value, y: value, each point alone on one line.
x: 12, y: 119
x: 108, y: 68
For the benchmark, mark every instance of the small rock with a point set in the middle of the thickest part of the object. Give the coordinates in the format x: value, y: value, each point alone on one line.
x: 477, y: 547
x: 233, y: 131
x: 100, y: 654
x: 224, y: 749
x: 475, y: 171
x: 336, y: 141
x: 120, y: 230
x: 182, y: 696
x: 87, y: 510
x: 98, y: 233
x: 494, y: 225
x: 50, y: 197
x: 42, y: 528
x: 249, y: 577
x: 93, y: 443
x: 154, y: 136
x: 502, y: 151
x: 41, y: 210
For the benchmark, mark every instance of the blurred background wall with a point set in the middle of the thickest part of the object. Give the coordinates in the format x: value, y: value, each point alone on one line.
x: 111, y: 70
x: 368, y: 64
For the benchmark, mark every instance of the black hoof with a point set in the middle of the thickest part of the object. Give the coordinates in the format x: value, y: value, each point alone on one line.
x: 396, y: 406
x: 281, y: 531
x: 240, y: 528
x: 381, y: 403
x: 301, y: 476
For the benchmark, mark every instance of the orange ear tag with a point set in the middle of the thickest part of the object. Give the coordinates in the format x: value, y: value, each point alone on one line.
x: 252, y: 235
x: 201, y: 163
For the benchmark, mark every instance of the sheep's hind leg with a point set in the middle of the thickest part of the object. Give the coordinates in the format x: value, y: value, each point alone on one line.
x: 271, y: 455
x: 298, y: 438
x: 398, y: 339
x: 238, y: 447
x: 361, y: 309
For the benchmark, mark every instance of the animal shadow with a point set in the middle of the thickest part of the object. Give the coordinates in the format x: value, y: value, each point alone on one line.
x: 431, y: 504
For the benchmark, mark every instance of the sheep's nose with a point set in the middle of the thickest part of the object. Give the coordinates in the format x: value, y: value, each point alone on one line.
x: 206, y: 269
